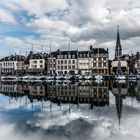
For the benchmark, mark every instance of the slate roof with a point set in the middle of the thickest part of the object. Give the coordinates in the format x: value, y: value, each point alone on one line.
x: 14, y: 58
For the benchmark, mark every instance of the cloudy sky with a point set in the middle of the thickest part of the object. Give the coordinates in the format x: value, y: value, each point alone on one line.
x: 60, y: 22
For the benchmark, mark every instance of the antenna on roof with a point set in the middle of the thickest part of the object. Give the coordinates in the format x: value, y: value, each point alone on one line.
x: 50, y: 48
x: 19, y: 51
x: 26, y: 53
x: 69, y: 46
x: 42, y: 48
x: 32, y: 47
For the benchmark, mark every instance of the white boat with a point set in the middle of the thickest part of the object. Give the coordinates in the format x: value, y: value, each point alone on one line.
x: 68, y: 77
x: 88, y: 77
x: 28, y: 77
x: 80, y: 77
x: 98, y: 77
x: 98, y: 81
x: 8, y: 78
x: 132, y: 77
x: 138, y: 76
x: 121, y: 81
x: 60, y: 77
x: 50, y: 77
x: 120, y: 77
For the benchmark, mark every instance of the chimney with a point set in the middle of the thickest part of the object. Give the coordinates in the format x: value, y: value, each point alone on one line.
x: 90, y: 47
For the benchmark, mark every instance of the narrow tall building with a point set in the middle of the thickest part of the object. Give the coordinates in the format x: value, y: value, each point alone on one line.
x: 118, y: 48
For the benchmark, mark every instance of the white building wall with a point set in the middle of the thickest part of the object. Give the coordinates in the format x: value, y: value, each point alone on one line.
x: 85, y: 65
x: 36, y: 63
x: 66, y: 65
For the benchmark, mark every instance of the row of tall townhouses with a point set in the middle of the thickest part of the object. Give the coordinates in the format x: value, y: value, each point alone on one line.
x: 95, y: 61
x: 20, y: 65
x: 13, y: 64
x: 66, y: 62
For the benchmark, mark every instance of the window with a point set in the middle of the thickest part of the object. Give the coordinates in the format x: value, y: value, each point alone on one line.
x: 65, y: 61
x: 58, y: 56
x: 65, y: 67
x: 65, y: 56
x: 61, y: 61
x: 84, y: 55
x: 100, y: 58
x: 61, y: 56
x: 41, y: 66
x: 58, y: 62
x: 34, y: 61
x: 105, y: 65
x: 73, y: 61
x: 100, y: 64
x: 41, y: 61
x: 69, y: 56
x: 73, y: 56
x: 73, y: 67
x: 69, y: 61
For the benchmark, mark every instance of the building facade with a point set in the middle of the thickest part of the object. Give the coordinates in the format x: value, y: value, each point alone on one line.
x: 36, y: 63
x: 12, y: 65
x: 93, y: 62
x: 66, y: 62
x: 51, y: 63
x: 84, y: 62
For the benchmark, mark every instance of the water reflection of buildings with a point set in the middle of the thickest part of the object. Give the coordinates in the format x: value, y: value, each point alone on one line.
x: 13, y: 89
x: 36, y: 91
x: 82, y: 93
x: 79, y: 94
x: 93, y: 94
x: 123, y: 90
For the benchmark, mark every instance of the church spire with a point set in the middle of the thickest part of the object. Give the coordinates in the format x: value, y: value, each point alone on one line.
x: 118, y: 48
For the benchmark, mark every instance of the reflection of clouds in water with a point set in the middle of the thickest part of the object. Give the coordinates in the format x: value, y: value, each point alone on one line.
x: 80, y: 124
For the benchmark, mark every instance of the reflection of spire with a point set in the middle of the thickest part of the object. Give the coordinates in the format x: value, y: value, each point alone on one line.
x: 119, y: 104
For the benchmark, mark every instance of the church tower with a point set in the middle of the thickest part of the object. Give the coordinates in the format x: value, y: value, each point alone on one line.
x: 118, y: 48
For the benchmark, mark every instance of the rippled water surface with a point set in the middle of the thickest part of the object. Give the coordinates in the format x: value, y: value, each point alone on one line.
x: 85, y: 110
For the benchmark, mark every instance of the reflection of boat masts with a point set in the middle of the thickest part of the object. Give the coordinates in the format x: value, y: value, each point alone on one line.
x: 20, y: 102
x: 69, y: 108
x: 42, y: 105
x: 98, y: 97
x: 50, y: 106
x: 32, y: 106
x: 9, y: 100
x: 77, y: 99
x: 26, y: 98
